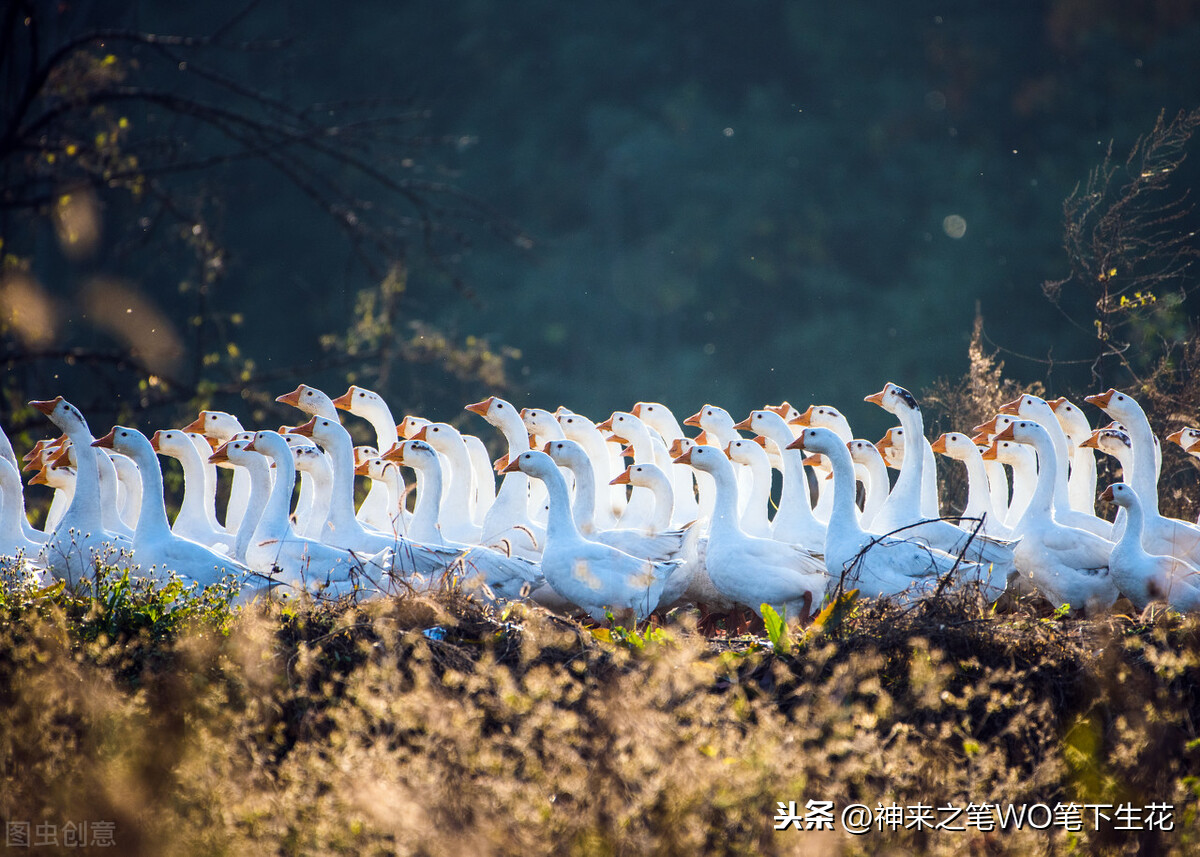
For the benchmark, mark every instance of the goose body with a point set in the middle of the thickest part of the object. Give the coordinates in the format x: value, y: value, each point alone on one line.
x: 157, y: 550
x: 221, y: 427
x: 794, y: 521
x: 1144, y: 577
x: 901, y: 511
x: 1160, y: 535
x: 80, y: 543
x: 748, y: 570
x: 877, y: 565
x: 508, y: 521
x: 193, y: 521
x: 233, y: 453
x: 506, y: 576
x: 596, y: 577
x: 1066, y: 564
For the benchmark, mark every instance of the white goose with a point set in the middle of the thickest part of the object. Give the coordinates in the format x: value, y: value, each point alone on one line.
x: 79, y: 544
x: 221, y: 427
x: 610, y: 500
x: 750, y: 453
x: 647, y: 447
x: 794, y: 521
x: 718, y: 425
x: 594, y: 576
x: 1035, y: 408
x: 454, y: 515
x: 413, y: 559
x: 279, y: 553
x: 233, y: 454
x: 508, y: 577
x: 872, y: 472
x: 892, y: 447
x: 375, y: 510
x: 156, y: 549
x: 1081, y: 481
x: 1144, y: 577
x: 131, y: 487
x: 15, y: 549
x: 960, y: 447
x: 62, y: 480
x: 878, y: 565
x: 193, y: 520
x: 508, y: 521
x: 753, y: 571
x: 6, y: 452
x: 901, y: 510
x: 659, y: 418
x: 1066, y: 564
x: 1160, y: 535
x: 657, y: 542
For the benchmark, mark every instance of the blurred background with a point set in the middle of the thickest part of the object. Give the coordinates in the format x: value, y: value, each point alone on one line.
x: 580, y: 204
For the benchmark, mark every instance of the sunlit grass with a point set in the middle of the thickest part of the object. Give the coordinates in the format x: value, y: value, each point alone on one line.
x: 431, y: 726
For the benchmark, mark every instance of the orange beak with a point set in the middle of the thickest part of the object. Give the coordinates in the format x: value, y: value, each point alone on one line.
x: 525, y: 413
x: 47, y: 407
x: 813, y: 460
x: 292, y: 398
x: 1058, y: 403
x: 694, y: 419
x: 250, y: 447
x: 197, y: 424
x: 980, y: 439
x: 1107, y: 494
x: 481, y: 408
x: 686, y: 458
x: 627, y: 452
x: 395, y: 453
x: 342, y: 402
x: 986, y: 428
x: 1194, y: 448
x: 729, y: 449
x: 306, y: 429
x: 512, y: 466
x: 156, y: 441
x: 676, y: 447
x: 636, y: 410
x: 363, y: 469
x: 1176, y: 437
x: 1012, y: 408
x: 939, y: 445
x: 798, y: 443
x: 39, y: 478
x: 607, y: 425
x: 500, y: 465
x: 1007, y: 434
x: 220, y: 454
x: 805, y: 419
x: 420, y: 435
x: 107, y: 440
x: 1101, y: 400
x: 1093, y: 440
x: 744, y: 425
x: 760, y: 440
x: 991, y: 453
x: 876, y: 398
x: 62, y: 459
x: 623, y: 478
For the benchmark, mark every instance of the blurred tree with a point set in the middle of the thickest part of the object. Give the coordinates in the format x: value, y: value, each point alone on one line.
x: 111, y: 145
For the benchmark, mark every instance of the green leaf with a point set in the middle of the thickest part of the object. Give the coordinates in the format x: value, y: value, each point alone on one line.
x: 776, y: 629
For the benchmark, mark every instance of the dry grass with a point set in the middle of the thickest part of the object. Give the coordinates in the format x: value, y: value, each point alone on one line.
x: 356, y: 729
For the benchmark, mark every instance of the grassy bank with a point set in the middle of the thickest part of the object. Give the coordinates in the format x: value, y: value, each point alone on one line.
x: 434, y: 726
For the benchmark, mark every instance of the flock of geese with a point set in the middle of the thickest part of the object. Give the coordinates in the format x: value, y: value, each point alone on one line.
x: 690, y: 521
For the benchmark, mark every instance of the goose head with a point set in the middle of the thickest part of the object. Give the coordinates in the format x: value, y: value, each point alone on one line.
x: 409, y: 426
x: 63, y: 414
x: 893, y: 398
x: 1072, y: 420
x: 310, y: 400
x: 1121, y: 494
x: 218, y: 424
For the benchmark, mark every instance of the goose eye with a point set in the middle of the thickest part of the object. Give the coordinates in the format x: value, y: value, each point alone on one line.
x: 124, y: 434
x: 309, y: 393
